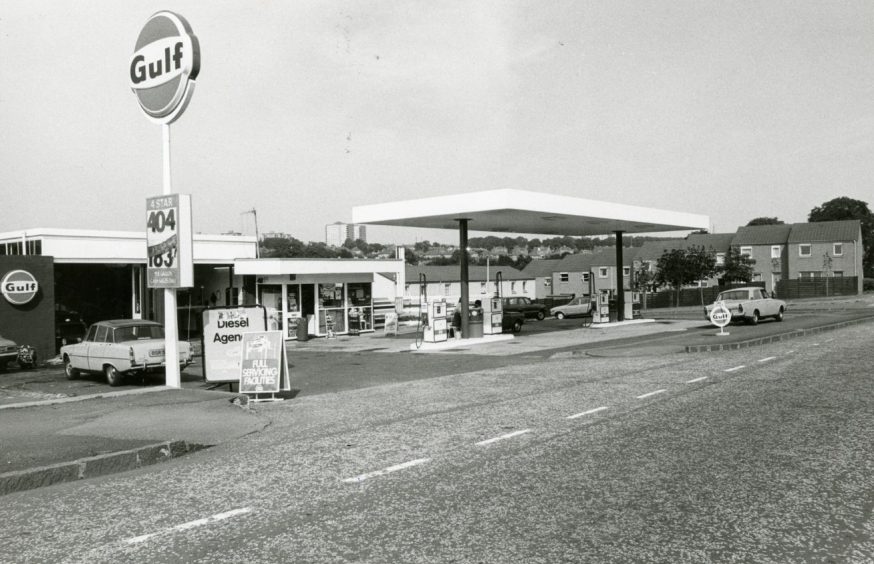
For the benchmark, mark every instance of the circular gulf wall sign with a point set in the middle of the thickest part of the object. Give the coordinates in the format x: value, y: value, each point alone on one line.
x: 165, y: 62
x: 19, y: 287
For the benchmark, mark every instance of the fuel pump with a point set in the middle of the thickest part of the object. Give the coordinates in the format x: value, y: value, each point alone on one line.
x: 436, y: 329
x: 432, y: 324
x: 602, y: 311
x: 493, y: 311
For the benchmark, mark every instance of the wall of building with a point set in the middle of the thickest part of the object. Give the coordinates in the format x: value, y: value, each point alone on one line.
x: 32, y: 323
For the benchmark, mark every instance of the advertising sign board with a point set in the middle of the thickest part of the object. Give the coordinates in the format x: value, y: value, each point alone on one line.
x: 165, y: 62
x: 263, y: 365
x: 223, y: 330
x: 168, y: 238
x: 19, y: 287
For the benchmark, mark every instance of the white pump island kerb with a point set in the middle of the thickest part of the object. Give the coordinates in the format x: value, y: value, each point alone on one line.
x: 165, y: 62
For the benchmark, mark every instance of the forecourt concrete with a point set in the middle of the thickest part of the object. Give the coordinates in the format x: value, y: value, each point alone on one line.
x: 63, y: 439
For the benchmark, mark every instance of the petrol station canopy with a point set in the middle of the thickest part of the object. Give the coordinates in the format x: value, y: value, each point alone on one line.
x: 522, y: 211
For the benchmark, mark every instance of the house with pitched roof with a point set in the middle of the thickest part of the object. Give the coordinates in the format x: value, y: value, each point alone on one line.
x: 767, y: 245
x: 826, y: 249
x: 588, y: 274
x: 541, y: 271
x: 714, y: 243
x: 445, y: 282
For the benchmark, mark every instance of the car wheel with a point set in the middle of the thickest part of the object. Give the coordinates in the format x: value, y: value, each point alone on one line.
x: 113, y: 376
x: 559, y: 315
x: 754, y: 320
x: 779, y: 316
x: 540, y: 316
x: 517, y: 326
x: 70, y: 372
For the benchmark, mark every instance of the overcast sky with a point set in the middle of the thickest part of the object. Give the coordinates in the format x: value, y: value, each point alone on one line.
x: 305, y: 109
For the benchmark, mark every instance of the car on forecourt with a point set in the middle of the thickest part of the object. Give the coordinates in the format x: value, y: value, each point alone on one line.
x: 525, y: 306
x: 578, y: 306
x: 121, y: 347
x: 8, y: 351
x: 748, y: 304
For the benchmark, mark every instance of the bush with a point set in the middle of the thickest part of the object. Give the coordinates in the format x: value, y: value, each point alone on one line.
x: 868, y: 285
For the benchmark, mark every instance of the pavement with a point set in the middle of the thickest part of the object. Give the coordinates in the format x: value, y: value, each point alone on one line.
x: 49, y: 434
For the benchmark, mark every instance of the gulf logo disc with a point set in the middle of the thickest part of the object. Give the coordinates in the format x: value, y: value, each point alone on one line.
x: 165, y: 62
x: 19, y: 287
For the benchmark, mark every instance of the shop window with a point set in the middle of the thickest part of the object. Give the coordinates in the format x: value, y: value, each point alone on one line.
x: 804, y: 250
x: 838, y: 249
x: 748, y: 251
x: 775, y: 251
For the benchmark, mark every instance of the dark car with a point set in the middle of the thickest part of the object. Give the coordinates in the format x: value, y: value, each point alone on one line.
x: 525, y: 306
x: 512, y: 321
x: 69, y: 328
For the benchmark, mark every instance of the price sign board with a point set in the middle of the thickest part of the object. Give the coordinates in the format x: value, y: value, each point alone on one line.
x: 168, y: 241
x: 263, y: 365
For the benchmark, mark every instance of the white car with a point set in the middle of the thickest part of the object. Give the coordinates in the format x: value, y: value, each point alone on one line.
x: 748, y: 304
x: 120, y: 347
x: 576, y: 307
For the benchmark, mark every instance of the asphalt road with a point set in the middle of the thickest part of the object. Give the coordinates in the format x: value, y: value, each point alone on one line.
x: 757, y: 455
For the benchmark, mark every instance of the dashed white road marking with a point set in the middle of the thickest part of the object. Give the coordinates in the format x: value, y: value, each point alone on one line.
x: 591, y: 411
x: 191, y: 524
x: 389, y: 470
x: 651, y: 394
x: 790, y: 351
x: 814, y: 344
x: 828, y: 340
x: 502, y: 437
x: 696, y: 380
x: 766, y: 359
x: 736, y: 368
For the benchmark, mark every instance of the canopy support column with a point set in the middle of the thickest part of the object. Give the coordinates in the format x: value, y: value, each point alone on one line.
x: 620, y: 279
x: 465, y: 283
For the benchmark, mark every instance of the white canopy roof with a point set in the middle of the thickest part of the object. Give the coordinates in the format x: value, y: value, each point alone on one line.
x: 521, y: 211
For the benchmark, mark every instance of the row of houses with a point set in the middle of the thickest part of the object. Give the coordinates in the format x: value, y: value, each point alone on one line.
x: 781, y: 252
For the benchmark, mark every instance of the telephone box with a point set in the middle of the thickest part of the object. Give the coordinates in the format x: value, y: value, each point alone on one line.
x: 493, y: 316
x: 436, y: 324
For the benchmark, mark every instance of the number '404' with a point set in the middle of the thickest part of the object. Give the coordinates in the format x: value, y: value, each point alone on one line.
x: 158, y: 220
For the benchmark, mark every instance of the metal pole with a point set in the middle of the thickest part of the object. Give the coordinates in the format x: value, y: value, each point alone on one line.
x: 465, y: 277
x: 171, y: 330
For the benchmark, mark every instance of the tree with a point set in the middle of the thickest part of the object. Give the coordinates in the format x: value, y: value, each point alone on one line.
x: 765, y: 221
x: 643, y: 280
x: 737, y: 267
x: 847, y: 208
x: 680, y: 267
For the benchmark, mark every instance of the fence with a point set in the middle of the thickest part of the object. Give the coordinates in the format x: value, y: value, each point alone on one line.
x: 690, y: 296
x: 818, y: 287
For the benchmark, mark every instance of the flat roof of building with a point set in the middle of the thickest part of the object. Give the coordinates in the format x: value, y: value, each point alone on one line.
x: 521, y: 211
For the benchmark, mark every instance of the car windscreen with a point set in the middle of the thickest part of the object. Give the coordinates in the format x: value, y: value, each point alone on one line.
x: 138, y: 333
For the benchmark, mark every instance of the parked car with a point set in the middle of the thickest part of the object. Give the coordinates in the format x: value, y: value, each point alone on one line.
x: 120, y: 347
x: 577, y: 307
x: 512, y: 321
x: 524, y: 306
x: 748, y: 304
x: 8, y: 351
x: 69, y: 328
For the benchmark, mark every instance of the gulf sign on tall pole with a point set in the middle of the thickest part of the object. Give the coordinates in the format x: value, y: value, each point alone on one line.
x: 165, y: 62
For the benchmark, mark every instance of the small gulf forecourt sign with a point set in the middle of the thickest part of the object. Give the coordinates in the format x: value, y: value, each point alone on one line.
x: 720, y: 316
x: 19, y: 287
x: 165, y: 63
x: 168, y: 241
